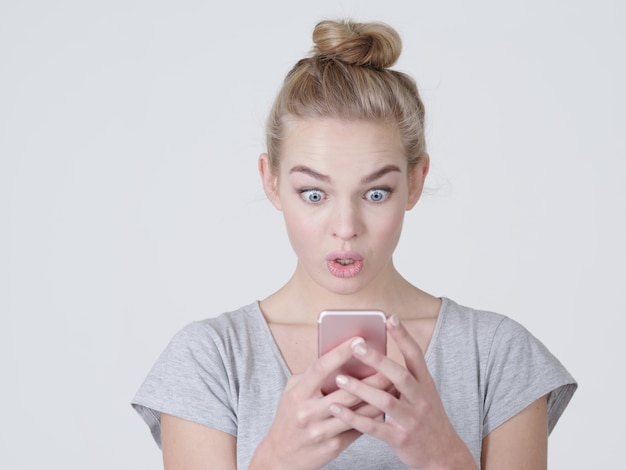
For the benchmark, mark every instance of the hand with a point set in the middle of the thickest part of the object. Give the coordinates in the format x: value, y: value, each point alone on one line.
x: 304, y: 433
x: 418, y: 429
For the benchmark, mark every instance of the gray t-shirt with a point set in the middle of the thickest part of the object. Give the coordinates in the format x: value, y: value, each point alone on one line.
x: 227, y: 373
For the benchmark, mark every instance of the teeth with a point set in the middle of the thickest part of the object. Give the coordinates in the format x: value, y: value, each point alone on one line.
x: 344, y: 262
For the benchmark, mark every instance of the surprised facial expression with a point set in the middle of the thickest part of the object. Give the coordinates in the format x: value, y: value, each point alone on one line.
x: 343, y: 188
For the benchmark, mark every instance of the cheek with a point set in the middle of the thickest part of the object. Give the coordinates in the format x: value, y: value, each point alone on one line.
x: 300, y: 228
x: 389, y: 228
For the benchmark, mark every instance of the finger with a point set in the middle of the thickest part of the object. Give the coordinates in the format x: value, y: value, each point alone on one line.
x: 402, y: 379
x: 317, y: 411
x: 398, y: 409
x: 349, y: 400
x: 328, y: 364
x: 410, y: 349
x: 367, y: 410
x: 312, y: 415
x: 318, y: 431
x: 379, y: 381
x: 363, y: 424
x: 327, y: 425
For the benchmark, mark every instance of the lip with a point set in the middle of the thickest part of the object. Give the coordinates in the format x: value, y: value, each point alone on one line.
x: 344, y: 255
x: 341, y: 270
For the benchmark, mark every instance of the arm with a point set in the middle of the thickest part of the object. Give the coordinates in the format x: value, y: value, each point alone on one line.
x: 191, y: 446
x: 519, y: 443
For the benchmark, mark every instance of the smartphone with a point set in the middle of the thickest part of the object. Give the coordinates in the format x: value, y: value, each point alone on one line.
x: 336, y: 326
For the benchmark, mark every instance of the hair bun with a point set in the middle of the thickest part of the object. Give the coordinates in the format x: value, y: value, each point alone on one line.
x: 375, y: 45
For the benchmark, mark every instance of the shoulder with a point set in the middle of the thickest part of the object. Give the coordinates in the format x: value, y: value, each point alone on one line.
x: 196, y: 377
x: 490, y: 332
x: 461, y: 321
x: 516, y: 368
x: 227, y: 327
x: 213, y: 342
x: 510, y: 366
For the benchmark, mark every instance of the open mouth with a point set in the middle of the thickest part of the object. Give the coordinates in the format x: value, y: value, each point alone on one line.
x: 344, y: 264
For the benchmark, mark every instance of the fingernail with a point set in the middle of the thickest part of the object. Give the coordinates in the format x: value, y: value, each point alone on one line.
x: 360, y: 349
x: 341, y: 380
x: 356, y: 341
x: 394, y: 320
x: 334, y: 409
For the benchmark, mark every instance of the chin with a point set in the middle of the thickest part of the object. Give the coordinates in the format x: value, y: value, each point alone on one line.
x: 327, y: 283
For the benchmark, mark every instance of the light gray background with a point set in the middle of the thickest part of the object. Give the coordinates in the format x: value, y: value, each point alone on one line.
x: 130, y: 203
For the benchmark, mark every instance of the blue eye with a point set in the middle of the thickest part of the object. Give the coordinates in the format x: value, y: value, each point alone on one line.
x: 377, y: 195
x: 313, y: 196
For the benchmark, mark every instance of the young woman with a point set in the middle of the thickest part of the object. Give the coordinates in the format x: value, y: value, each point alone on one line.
x: 458, y: 388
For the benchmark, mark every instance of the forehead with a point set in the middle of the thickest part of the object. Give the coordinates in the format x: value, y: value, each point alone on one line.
x: 333, y: 145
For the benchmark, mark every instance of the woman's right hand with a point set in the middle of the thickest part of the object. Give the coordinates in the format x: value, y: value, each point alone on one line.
x: 304, y: 434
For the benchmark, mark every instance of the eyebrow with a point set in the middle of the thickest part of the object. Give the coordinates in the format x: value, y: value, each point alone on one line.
x: 326, y: 179
x: 380, y: 173
x: 310, y: 172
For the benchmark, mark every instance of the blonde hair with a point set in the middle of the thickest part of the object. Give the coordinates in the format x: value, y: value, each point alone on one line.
x: 348, y: 77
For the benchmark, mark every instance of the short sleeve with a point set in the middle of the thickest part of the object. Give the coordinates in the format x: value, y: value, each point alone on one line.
x: 520, y: 370
x: 190, y: 380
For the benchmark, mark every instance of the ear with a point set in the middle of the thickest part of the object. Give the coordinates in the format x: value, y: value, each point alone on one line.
x: 416, y: 180
x: 269, y: 180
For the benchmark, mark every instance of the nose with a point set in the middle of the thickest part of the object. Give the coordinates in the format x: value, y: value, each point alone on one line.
x: 346, y: 223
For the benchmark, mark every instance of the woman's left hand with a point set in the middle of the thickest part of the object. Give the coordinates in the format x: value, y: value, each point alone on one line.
x: 417, y: 428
